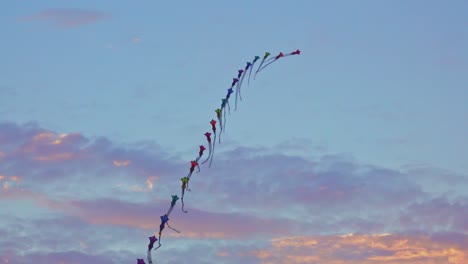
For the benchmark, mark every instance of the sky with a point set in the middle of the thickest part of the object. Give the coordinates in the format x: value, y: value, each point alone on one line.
x: 355, y: 151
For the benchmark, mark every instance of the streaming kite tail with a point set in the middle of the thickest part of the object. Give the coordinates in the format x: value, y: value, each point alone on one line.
x: 150, y: 261
x: 159, y: 241
x: 172, y: 228
x: 239, y: 89
x: 258, y: 69
x: 209, y: 153
x: 229, y: 107
x: 221, y: 129
x: 266, y: 65
x: 235, y: 105
x: 250, y: 73
x: 182, y: 199
x: 212, y: 152
x: 224, y: 129
x: 240, y: 84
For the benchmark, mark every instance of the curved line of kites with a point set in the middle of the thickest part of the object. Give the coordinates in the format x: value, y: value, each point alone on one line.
x: 221, y: 117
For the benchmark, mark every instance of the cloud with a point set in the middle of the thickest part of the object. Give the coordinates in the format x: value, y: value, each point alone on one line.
x: 67, y: 17
x: 136, y: 40
x: 69, y: 185
x: 363, y: 249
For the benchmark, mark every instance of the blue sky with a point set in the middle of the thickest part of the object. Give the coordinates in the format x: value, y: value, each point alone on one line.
x: 382, y: 83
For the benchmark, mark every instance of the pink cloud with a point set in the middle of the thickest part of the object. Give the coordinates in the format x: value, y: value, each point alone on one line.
x: 67, y: 17
x: 250, y: 193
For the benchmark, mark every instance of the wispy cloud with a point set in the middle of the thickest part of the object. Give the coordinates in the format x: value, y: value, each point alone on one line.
x: 67, y: 17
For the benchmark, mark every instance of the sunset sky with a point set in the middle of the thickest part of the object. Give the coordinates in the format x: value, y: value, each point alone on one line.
x: 353, y: 152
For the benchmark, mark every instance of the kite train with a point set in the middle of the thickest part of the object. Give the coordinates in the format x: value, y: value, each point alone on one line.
x: 221, y: 117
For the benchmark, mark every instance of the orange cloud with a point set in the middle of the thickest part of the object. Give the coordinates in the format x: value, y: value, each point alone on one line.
x: 149, y: 181
x: 122, y: 163
x: 362, y: 249
x: 17, y: 179
x: 42, y: 137
x: 8, y: 180
x: 223, y: 254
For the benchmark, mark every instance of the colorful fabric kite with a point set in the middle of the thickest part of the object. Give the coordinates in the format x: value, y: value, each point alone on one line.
x: 152, y: 239
x: 185, y: 182
x: 200, y: 152
x: 210, y: 147
x: 220, y: 120
x: 224, y: 102
x: 173, y: 202
x: 164, y: 222
x: 242, y: 79
x: 141, y: 261
x: 213, y: 127
x: 256, y: 58
x: 238, y: 87
x: 193, y: 164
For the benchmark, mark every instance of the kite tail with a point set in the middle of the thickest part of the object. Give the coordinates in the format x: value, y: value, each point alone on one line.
x: 221, y: 129
x: 240, y: 85
x: 209, y: 153
x: 212, y: 152
x: 235, y: 105
x: 250, y: 73
x: 172, y: 228
x: 258, y: 69
x: 182, y: 199
x: 224, y: 129
x: 150, y: 261
x: 239, y: 89
x: 159, y: 241
x: 266, y: 65
x: 229, y: 107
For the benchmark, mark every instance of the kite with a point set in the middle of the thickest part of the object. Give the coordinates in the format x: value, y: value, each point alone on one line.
x: 234, y: 81
x: 193, y: 164
x: 164, y: 222
x: 173, y: 202
x: 261, y: 63
x: 230, y: 91
x: 266, y: 61
x: 251, y: 67
x: 243, y: 76
x: 239, y: 74
x: 213, y: 127
x: 152, y: 239
x: 224, y: 102
x: 220, y: 120
x: 150, y: 246
x: 280, y: 55
x: 185, y: 181
x: 200, y: 152
x: 210, y: 147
